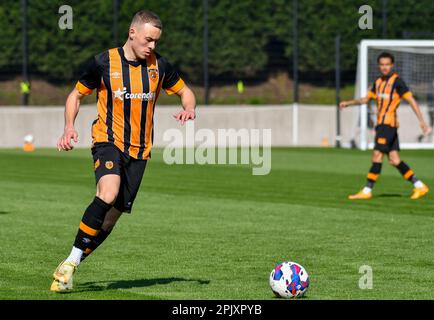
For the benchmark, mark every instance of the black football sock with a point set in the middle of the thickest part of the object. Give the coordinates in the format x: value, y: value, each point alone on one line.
x: 373, y: 174
x: 95, y: 243
x: 406, y: 172
x: 90, y: 225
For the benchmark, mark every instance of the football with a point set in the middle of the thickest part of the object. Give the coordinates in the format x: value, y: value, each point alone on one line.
x: 289, y: 280
x: 28, y: 138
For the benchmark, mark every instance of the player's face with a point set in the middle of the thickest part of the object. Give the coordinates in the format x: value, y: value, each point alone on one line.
x: 385, y: 65
x: 144, y: 39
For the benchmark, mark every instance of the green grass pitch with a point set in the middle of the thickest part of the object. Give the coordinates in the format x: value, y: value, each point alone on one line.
x: 217, y: 231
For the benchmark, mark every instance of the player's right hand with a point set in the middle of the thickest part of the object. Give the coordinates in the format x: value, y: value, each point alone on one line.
x: 64, y: 142
x: 343, y: 105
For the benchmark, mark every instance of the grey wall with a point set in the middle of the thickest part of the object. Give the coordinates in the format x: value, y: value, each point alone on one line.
x: 317, y: 124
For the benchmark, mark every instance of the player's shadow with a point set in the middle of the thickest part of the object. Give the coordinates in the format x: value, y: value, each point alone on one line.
x: 129, y: 284
x: 390, y: 195
x: 4, y: 212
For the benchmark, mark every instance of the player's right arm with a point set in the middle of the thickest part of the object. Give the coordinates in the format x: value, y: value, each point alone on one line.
x: 364, y: 100
x: 71, y: 110
x: 355, y: 102
x: 89, y: 80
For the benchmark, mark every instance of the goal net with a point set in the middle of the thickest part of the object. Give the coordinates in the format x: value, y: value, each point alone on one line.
x: 414, y: 62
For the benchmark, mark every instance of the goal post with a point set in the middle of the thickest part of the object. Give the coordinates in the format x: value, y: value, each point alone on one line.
x: 414, y: 62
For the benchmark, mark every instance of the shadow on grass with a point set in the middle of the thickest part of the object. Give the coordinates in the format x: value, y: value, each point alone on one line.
x: 390, y: 195
x: 275, y: 297
x: 129, y: 284
x: 5, y: 212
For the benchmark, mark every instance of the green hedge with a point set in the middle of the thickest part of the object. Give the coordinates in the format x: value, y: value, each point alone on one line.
x: 240, y: 33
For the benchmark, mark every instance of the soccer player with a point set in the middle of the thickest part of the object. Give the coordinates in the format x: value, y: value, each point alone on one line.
x: 128, y: 80
x: 388, y: 90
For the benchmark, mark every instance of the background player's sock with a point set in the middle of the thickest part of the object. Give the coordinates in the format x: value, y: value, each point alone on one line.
x: 367, y: 190
x: 95, y: 243
x: 91, y: 223
x: 373, y: 175
x: 75, y: 256
x: 409, y: 175
x: 418, y: 184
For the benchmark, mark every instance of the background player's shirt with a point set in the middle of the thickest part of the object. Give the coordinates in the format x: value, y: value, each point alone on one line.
x: 126, y: 98
x: 388, y: 91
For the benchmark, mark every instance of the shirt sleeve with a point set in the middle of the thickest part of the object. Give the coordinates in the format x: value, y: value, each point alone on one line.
x: 372, y: 92
x: 402, y: 89
x: 90, y: 79
x: 172, y: 82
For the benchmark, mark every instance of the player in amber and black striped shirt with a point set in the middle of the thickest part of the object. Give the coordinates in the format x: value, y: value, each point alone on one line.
x: 128, y: 81
x: 388, y: 90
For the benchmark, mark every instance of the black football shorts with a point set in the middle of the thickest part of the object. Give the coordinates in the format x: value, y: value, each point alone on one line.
x: 386, y: 138
x: 108, y: 159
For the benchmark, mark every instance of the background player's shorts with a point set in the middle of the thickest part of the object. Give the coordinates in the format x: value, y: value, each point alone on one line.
x: 386, y: 138
x: 108, y: 159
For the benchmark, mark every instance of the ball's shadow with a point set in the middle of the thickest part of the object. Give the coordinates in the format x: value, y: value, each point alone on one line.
x: 129, y: 284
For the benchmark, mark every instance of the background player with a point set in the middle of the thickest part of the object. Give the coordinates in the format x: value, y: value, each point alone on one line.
x: 388, y: 90
x: 128, y: 80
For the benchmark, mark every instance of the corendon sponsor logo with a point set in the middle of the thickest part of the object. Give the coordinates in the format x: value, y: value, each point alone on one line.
x: 123, y: 94
x: 384, y: 95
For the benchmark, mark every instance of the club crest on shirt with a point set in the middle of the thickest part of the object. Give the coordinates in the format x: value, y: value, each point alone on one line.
x: 153, y: 74
x: 109, y: 165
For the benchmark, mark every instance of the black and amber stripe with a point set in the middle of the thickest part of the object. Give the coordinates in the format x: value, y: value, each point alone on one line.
x: 388, y: 90
x: 126, y: 134
x: 88, y: 230
x: 128, y: 121
x: 91, y: 223
x: 178, y: 86
x: 373, y: 176
x: 136, y: 84
x: 382, y: 88
x: 144, y: 110
x: 387, y: 107
x: 408, y: 174
x: 153, y: 82
x: 117, y: 84
x: 386, y: 111
x: 404, y: 169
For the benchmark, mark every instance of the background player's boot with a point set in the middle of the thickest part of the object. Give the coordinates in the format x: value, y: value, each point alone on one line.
x: 63, y: 277
x: 419, y: 192
x: 361, y: 195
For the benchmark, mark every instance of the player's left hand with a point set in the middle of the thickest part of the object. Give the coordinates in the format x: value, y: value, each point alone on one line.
x: 184, y: 116
x: 425, y: 128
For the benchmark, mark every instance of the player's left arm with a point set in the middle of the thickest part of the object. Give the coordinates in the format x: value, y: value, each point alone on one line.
x: 188, y: 101
x: 415, y: 106
x: 405, y: 93
x: 173, y: 84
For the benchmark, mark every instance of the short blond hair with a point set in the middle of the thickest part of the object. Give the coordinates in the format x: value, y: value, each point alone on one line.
x: 145, y: 16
